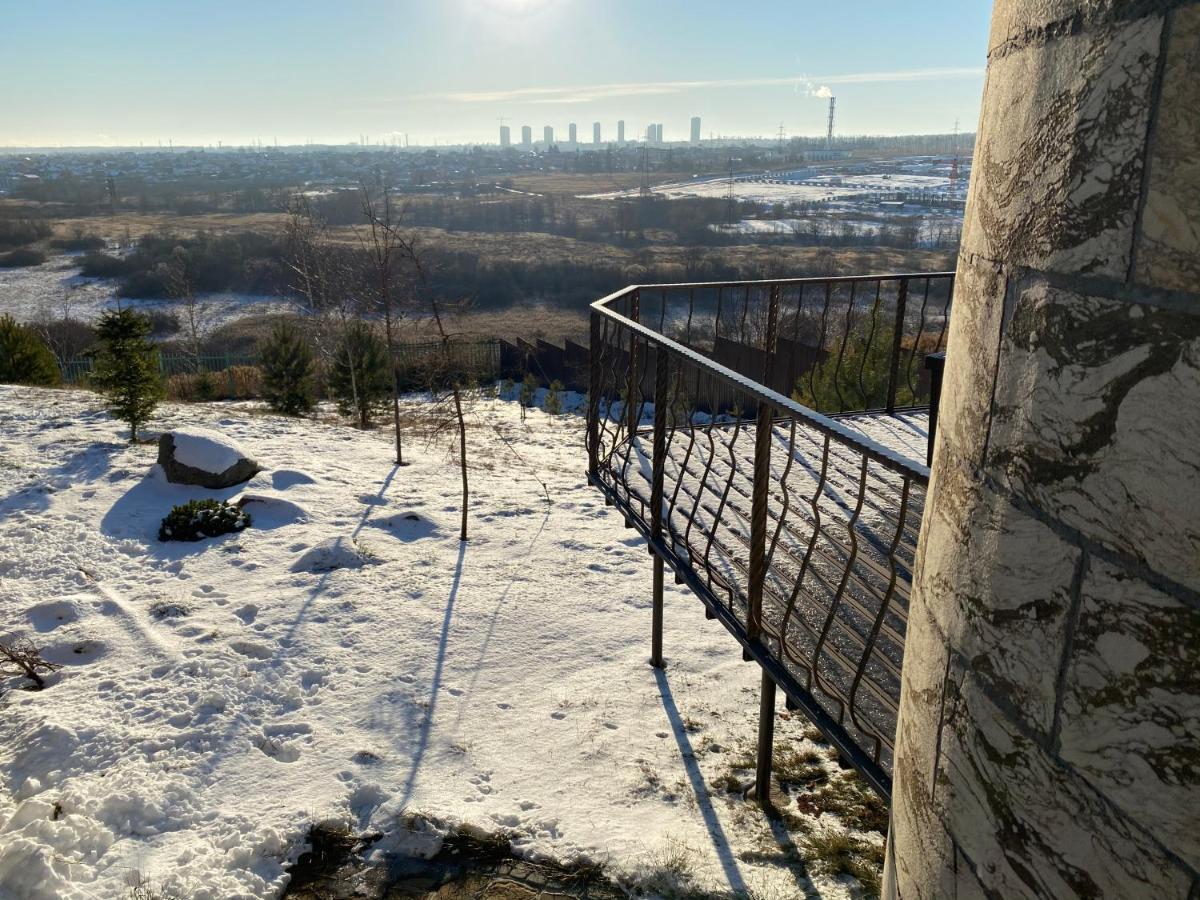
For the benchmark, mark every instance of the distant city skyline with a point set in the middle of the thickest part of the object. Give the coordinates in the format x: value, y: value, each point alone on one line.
x: 82, y: 74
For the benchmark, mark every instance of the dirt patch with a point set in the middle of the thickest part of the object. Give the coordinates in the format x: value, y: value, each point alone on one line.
x: 470, y: 865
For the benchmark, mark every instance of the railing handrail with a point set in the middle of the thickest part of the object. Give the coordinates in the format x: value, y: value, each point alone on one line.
x: 859, y: 441
x: 768, y: 282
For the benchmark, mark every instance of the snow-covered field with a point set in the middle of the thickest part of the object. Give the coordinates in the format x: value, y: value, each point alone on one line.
x: 56, y: 288
x: 218, y: 698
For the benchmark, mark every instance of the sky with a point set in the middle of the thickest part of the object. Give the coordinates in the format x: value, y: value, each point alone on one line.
x: 124, y: 72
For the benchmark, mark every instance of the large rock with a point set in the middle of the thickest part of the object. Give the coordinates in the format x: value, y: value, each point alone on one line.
x: 206, y: 458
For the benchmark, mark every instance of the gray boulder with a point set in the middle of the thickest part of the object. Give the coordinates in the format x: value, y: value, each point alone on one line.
x: 205, y: 458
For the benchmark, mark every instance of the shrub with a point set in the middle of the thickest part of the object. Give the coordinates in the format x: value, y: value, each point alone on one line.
x: 288, y: 367
x: 528, y: 390
x: 100, y: 265
x: 198, y: 519
x: 17, y: 232
x: 360, y: 378
x: 24, y: 356
x: 21, y: 257
x: 79, y: 241
x: 127, y: 368
x: 553, y: 401
x: 21, y: 657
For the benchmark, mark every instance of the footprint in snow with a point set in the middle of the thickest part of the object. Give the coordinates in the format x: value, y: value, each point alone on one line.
x: 247, y: 613
x: 250, y: 649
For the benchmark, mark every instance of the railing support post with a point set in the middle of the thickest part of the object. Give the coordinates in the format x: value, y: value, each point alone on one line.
x: 661, y: 399
x: 594, y: 389
x: 633, y: 389
x: 766, y: 740
x: 762, y: 479
x: 936, y: 364
x: 897, y: 339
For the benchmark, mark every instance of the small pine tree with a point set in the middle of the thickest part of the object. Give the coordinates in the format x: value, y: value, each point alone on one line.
x: 24, y: 356
x: 127, y: 368
x: 288, y: 366
x: 507, y: 388
x: 553, y: 402
x: 528, y: 390
x: 360, y: 377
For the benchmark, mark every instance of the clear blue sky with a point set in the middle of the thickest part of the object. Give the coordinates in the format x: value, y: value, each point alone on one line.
x: 85, y: 72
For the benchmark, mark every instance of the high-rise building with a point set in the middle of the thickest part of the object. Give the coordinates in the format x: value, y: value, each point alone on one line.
x: 526, y: 136
x: 595, y: 132
x: 572, y: 133
x: 651, y: 133
x: 505, y: 136
x: 695, y: 129
x: 658, y: 139
x: 620, y: 131
x: 548, y: 135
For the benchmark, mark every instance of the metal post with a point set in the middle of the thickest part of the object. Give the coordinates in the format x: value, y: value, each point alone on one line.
x: 662, y: 376
x: 936, y: 364
x: 633, y: 390
x: 757, y: 576
x: 766, y: 740
x: 897, y: 338
x: 594, y: 388
x: 229, y: 376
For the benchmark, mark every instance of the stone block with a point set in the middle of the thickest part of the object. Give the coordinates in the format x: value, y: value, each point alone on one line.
x: 1168, y: 251
x: 1034, y: 828
x: 972, y: 345
x: 998, y: 583
x: 1059, y: 159
x: 1131, y: 705
x: 1097, y: 422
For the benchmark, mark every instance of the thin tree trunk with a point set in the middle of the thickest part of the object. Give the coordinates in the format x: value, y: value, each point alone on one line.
x: 462, y: 458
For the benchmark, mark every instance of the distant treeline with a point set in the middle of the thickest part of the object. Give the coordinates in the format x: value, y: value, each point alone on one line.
x: 169, y: 266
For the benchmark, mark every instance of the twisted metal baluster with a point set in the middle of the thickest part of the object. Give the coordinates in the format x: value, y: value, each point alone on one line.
x: 883, y: 610
x: 837, y: 370
x: 833, y: 606
x: 816, y: 533
x: 917, y: 343
x: 812, y: 372
x: 870, y: 339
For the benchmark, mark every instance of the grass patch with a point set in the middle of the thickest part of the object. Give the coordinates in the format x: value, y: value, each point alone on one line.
x: 837, y: 853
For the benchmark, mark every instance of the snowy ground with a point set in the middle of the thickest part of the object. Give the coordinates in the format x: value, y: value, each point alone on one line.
x: 772, y: 188
x: 217, y: 698
x: 56, y: 287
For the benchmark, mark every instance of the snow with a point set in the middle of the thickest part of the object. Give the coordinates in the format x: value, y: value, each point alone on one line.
x: 206, y: 450
x: 219, y: 697
x: 55, y: 288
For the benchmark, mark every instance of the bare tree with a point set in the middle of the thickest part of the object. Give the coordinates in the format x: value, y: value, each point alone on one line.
x: 387, y: 249
x: 181, y: 281
x: 322, y: 277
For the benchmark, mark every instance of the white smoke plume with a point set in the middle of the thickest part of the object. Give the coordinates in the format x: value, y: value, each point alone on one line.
x: 823, y: 92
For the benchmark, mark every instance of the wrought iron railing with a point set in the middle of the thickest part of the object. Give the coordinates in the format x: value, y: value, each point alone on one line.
x: 796, y: 531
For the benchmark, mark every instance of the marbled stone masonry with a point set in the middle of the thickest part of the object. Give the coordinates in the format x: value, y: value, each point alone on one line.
x: 1049, y: 736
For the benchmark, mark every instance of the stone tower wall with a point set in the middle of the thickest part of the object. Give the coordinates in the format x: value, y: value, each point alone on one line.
x: 1049, y: 737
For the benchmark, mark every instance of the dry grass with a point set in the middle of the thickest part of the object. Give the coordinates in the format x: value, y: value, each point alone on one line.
x: 234, y: 383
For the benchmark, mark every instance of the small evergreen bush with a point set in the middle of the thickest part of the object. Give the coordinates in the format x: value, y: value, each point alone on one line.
x: 360, y: 377
x: 288, y: 367
x: 553, y: 402
x: 198, y: 519
x: 528, y: 393
x: 127, y: 368
x: 24, y: 356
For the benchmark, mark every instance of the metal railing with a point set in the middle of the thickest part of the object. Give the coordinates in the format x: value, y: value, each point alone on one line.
x: 797, y: 532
